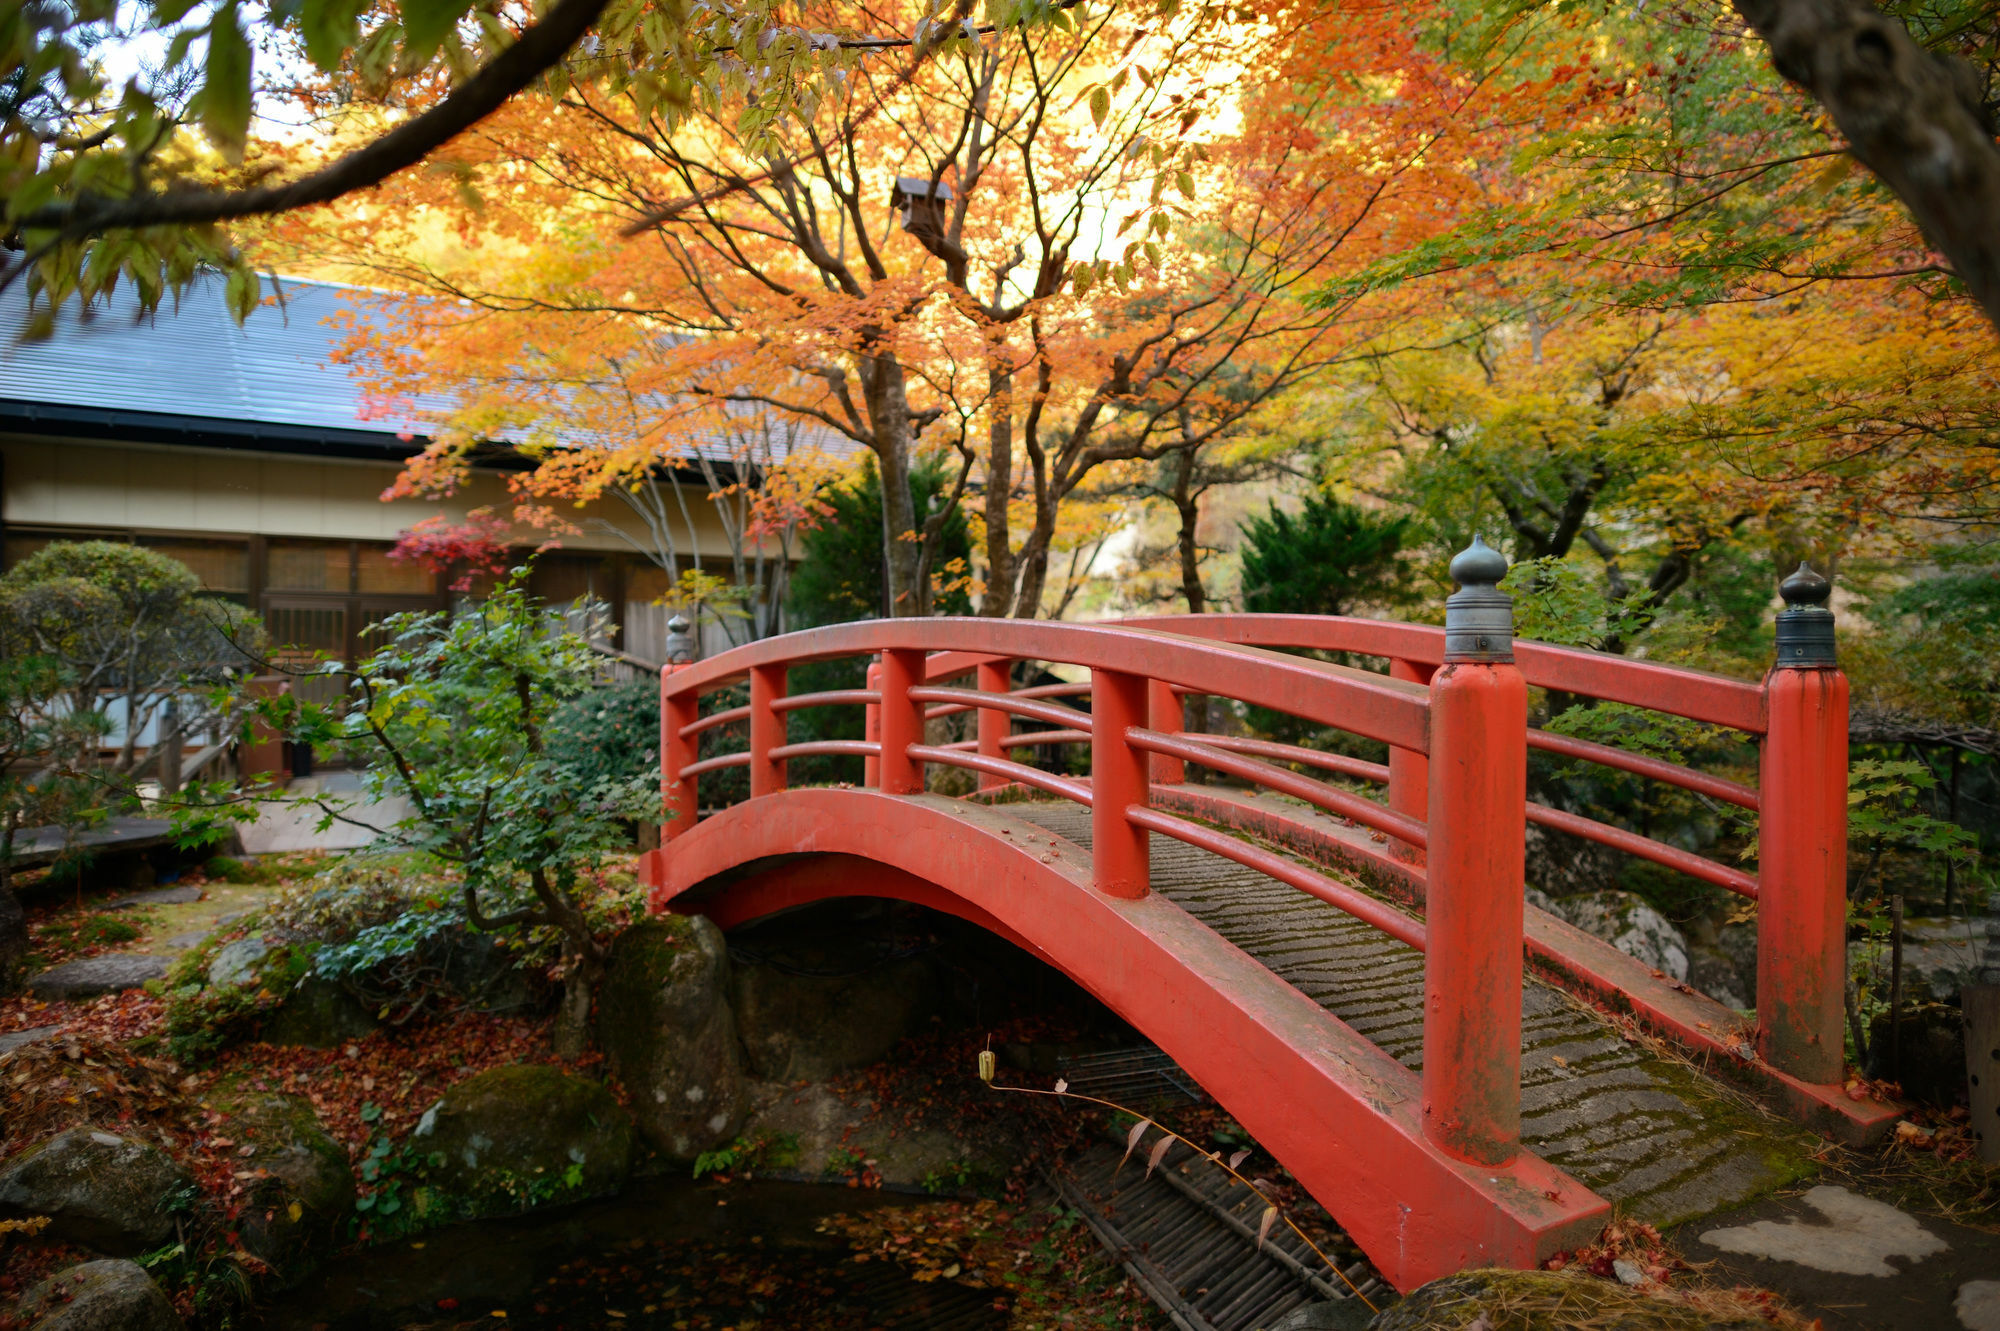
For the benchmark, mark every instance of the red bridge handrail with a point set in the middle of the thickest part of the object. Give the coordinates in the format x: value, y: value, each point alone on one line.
x: 1456, y: 796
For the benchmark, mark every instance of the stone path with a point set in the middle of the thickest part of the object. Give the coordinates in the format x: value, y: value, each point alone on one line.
x: 1661, y: 1140
x: 1854, y: 1262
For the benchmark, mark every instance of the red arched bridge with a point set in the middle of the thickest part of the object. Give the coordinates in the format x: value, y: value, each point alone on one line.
x: 1355, y: 980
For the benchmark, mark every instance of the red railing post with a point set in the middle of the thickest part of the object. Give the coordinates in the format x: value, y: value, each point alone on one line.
x: 1166, y: 715
x: 1478, y: 828
x: 871, y: 729
x: 767, y: 730
x: 1118, y: 850
x: 994, y: 725
x: 902, y: 722
x: 679, y: 793
x: 1409, y: 771
x: 1802, y: 842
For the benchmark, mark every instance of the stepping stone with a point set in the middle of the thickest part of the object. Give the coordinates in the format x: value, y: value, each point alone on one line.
x: 13, y: 1040
x: 1978, y: 1305
x: 1856, y: 1236
x: 97, y: 975
x: 182, y: 942
x: 159, y: 896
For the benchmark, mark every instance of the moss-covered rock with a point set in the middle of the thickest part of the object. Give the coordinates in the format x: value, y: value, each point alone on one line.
x: 108, y: 1193
x: 803, y: 1027
x: 664, y: 1022
x: 298, y: 1206
x: 1565, y: 1301
x: 99, y: 1296
x: 521, y: 1136
x: 317, y: 1013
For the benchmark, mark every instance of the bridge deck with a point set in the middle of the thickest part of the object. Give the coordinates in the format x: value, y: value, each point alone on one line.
x: 1660, y: 1140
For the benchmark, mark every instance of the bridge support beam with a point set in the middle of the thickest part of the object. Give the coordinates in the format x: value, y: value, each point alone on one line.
x: 994, y: 725
x: 1118, y: 780
x: 902, y: 722
x: 1409, y: 771
x: 679, y: 793
x: 1168, y: 716
x: 1802, y: 843
x: 1478, y: 840
x: 767, y: 730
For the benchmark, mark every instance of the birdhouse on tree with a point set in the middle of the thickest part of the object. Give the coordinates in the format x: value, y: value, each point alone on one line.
x: 922, y: 204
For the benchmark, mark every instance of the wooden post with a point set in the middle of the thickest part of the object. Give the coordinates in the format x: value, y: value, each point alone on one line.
x: 1409, y: 771
x: 902, y: 722
x: 871, y: 729
x: 1478, y: 825
x: 1165, y: 715
x: 767, y: 730
x: 680, y: 794
x: 994, y: 725
x: 1982, y: 1065
x: 1118, y: 850
x: 1802, y: 843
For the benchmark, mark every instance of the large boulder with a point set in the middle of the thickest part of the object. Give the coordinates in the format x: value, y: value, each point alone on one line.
x: 237, y: 964
x: 798, y: 1027
x: 521, y: 1136
x: 1715, y: 973
x: 818, y: 1133
x: 317, y: 1013
x: 664, y: 1022
x: 303, y: 1192
x: 1625, y: 921
x: 99, y: 1296
x: 112, y: 1194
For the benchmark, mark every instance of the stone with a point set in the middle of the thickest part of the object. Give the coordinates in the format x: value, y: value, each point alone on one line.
x: 1628, y: 1273
x: 13, y: 1040
x: 1857, y: 1238
x: 298, y: 1206
x: 1625, y: 921
x: 809, y: 1027
x: 317, y: 1013
x: 1498, y: 1298
x: 665, y: 1025
x: 1940, y: 957
x: 182, y: 942
x: 823, y: 1130
x: 1978, y: 1305
x: 1738, y: 942
x: 1927, y: 1059
x: 236, y: 963
x: 1715, y: 973
x: 521, y: 1136
x: 111, y: 1194
x: 482, y: 972
x: 1333, y: 1315
x: 108, y: 974
x: 159, y: 896
x: 14, y: 941
x: 99, y: 1296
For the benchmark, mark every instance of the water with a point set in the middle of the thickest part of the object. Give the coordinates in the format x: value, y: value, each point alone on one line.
x: 666, y: 1253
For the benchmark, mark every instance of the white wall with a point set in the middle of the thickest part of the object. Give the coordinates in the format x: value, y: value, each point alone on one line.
x: 163, y: 488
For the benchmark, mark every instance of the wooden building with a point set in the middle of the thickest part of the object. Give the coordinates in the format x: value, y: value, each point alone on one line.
x: 251, y: 455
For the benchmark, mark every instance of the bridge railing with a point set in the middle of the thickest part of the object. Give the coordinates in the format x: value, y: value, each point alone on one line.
x: 1453, y: 714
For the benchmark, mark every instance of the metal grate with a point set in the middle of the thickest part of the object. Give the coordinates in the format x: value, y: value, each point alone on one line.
x: 1128, y: 1076
x: 1187, y: 1233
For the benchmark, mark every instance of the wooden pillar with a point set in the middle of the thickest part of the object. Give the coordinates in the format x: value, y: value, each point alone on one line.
x: 1165, y: 714
x: 902, y: 722
x: 767, y: 730
x: 1118, y: 781
x: 994, y: 725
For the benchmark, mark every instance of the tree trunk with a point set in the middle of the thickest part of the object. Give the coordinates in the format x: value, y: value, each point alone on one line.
x: 572, y: 1032
x: 1914, y: 118
x: 999, y: 596
x: 1187, y: 502
x: 889, y: 414
x: 13, y: 920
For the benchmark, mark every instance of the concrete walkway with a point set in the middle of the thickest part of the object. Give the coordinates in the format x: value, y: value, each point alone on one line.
x: 1659, y: 1139
x: 1855, y: 1262
x: 296, y: 827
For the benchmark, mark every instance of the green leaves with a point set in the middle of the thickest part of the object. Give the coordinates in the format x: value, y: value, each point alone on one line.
x: 225, y: 94
x: 1100, y: 105
x: 425, y: 23
x: 330, y: 28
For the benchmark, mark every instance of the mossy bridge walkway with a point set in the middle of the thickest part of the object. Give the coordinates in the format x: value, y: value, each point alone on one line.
x: 1458, y: 1078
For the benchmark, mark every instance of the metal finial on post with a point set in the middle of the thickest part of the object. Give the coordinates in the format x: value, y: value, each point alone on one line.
x: 680, y: 641
x: 1478, y: 617
x: 1805, y: 625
